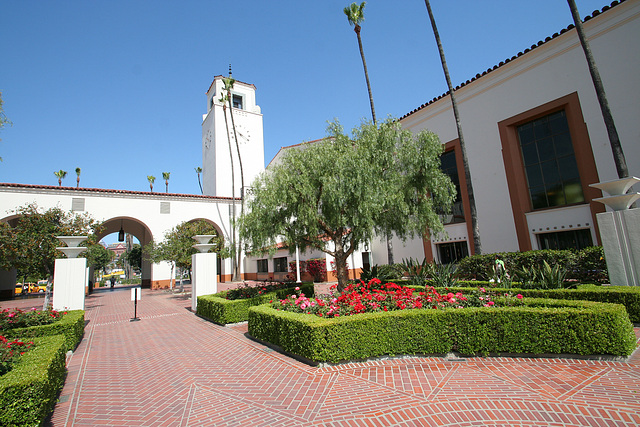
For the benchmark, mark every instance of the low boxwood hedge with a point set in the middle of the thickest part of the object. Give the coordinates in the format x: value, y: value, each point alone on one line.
x: 71, y: 325
x: 536, y: 326
x: 29, y: 391
x: 629, y: 296
x: 222, y: 311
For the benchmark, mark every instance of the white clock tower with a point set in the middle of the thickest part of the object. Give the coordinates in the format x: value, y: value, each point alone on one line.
x: 216, y: 159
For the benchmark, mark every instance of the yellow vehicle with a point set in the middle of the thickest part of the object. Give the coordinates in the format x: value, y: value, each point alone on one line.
x: 31, y: 288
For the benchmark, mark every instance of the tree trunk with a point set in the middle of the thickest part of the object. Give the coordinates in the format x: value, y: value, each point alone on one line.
x: 465, y: 162
x: 233, y: 201
x: 366, y: 73
x: 341, y: 270
x: 614, y: 139
x: 235, y: 134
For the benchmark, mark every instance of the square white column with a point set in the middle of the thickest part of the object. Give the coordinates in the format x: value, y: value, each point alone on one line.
x: 205, y: 280
x: 620, y: 233
x: 69, y: 281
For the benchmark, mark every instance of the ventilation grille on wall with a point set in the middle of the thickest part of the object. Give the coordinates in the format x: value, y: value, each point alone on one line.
x: 77, y: 204
x: 165, y: 207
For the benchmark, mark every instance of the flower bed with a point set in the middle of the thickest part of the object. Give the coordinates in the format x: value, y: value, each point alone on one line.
x: 629, y: 296
x: 70, y: 324
x: 29, y: 391
x: 220, y: 310
x: 532, y: 326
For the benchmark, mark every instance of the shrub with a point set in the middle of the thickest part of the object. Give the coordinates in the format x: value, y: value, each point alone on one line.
x: 536, y: 326
x: 28, y: 392
x: 628, y: 296
x: 17, y: 318
x: 220, y: 310
x: 318, y: 269
x: 70, y: 325
x: 10, y: 352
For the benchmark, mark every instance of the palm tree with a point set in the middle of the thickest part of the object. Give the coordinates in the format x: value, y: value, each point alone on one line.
x: 165, y: 176
x: 61, y: 175
x: 355, y: 15
x: 614, y: 139
x: 199, y: 171
x: 224, y: 96
x: 151, y: 180
x: 465, y: 162
x: 78, y: 179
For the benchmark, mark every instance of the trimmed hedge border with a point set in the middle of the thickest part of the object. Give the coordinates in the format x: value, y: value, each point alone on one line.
x: 29, y: 391
x: 629, y: 296
x: 71, y: 325
x: 538, y: 326
x: 222, y: 311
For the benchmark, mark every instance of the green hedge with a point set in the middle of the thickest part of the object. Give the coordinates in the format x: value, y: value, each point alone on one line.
x: 585, y: 265
x: 222, y: 311
x: 71, y: 325
x: 538, y: 326
x: 629, y: 296
x: 29, y: 391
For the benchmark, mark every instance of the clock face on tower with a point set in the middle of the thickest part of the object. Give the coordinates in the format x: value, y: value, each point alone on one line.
x: 244, y: 134
x: 208, y: 139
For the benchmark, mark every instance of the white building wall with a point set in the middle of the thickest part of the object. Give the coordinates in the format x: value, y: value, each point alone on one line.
x: 552, y: 70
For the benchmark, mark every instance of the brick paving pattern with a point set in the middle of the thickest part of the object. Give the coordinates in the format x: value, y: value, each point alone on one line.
x: 173, y: 368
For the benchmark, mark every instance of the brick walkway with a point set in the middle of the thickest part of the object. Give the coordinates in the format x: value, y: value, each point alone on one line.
x: 173, y: 368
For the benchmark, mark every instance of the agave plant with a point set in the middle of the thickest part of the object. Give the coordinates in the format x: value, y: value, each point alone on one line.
x: 418, y: 272
x: 528, y: 277
x: 443, y: 276
x: 552, y: 277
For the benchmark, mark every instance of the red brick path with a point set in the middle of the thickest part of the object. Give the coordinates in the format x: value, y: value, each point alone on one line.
x: 173, y: 368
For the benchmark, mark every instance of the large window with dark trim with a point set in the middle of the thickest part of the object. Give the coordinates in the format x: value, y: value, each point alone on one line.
x: 280, y: 265
x: 449, y: 166
x: 452, y: 252
x: 550, y: 162
x: 570, y: 239
x: 263, y: 266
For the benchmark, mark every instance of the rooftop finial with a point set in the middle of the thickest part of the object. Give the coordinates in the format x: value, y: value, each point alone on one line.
x: 230, y: 73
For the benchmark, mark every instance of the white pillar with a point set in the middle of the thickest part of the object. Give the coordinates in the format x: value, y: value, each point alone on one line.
x: 204, y: 276
x: 620, y: 233
x: 297, y: 265
x: 69, y: 281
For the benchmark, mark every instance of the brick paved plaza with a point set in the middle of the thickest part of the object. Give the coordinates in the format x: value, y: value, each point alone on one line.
x: 173, y: 368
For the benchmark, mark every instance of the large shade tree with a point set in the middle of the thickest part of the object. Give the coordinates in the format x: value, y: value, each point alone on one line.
x: 177, y: 246
x: 29, y: 243
x: 340, y: 193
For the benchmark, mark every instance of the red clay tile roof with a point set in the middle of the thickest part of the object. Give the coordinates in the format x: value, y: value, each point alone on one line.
x: 104, y: 190
x: 506, y: 61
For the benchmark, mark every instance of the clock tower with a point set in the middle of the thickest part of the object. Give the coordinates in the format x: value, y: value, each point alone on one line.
x: 216, y: 159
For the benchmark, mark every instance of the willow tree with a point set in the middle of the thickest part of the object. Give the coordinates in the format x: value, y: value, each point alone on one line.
x: 338, y: 194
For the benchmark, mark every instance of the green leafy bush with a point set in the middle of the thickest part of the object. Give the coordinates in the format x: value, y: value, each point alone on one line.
x: 536, y: 326
x: 70, y: 325
x: 220, y: 310
x: 587, y: 265
x: 28, y: 392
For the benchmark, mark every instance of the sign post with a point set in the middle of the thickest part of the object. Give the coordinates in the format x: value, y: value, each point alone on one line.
x: 136, y: 294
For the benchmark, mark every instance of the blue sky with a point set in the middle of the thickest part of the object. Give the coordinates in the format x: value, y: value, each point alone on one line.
x: 117, y: 88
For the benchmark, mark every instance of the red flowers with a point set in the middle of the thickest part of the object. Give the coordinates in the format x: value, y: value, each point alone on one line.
x: 370, y: 297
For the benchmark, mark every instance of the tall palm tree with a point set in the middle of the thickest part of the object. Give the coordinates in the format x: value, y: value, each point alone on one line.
x: 355, y: 15
x: 477, y: 247
x: 224, y: 96
x: 199, y: 171
x: 165, y: 176
x: 78, y: 170
x: 614, y: 139
x: 151, y: 180
x: 61, y: 175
